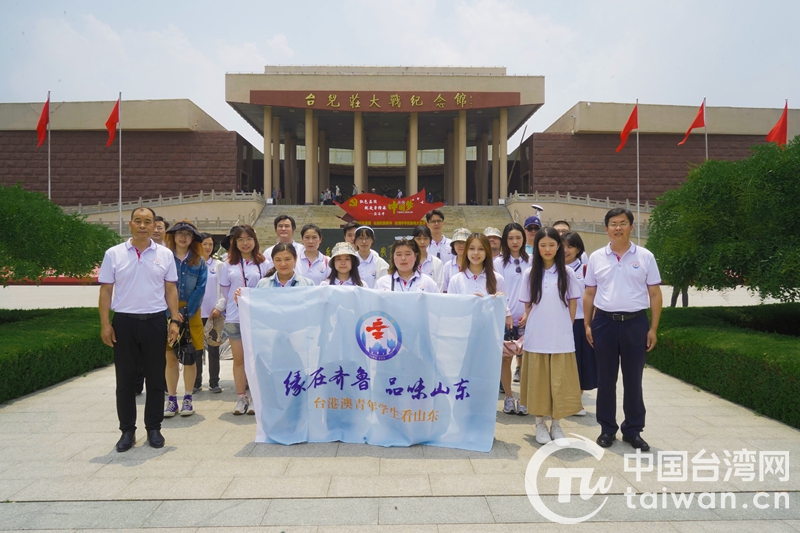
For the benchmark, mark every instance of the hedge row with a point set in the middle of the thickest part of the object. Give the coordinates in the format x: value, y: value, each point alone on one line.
x: 46, y: 346
x: 708, y: 347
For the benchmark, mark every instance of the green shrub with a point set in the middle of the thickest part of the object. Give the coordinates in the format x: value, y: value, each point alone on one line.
x: 761, y: 371
x: 47, y: 346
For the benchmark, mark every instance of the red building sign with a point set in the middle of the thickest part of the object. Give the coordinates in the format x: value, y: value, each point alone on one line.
x: 376, y: 210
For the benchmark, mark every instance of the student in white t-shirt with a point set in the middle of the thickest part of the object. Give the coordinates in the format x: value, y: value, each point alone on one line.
x: 344, y: 267
x: 404, y: 274
x: 244, y: 268
x: 453, y: 266
x: 371, y: 266
x: 511, y: 263
x: 428, y: 264
x: 549, y: 385
x: 311, y: 263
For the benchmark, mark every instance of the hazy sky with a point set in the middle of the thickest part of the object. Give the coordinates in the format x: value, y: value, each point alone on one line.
x: 735, y: 53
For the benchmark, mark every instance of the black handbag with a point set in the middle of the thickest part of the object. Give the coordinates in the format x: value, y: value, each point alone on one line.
x: 184, y: 349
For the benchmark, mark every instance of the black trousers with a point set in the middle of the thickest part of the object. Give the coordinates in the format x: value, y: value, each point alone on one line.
x: 141, y: 346
x: 213, y: 366
x: 620, y: 344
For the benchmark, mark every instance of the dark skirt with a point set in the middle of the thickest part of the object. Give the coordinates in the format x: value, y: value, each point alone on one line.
x: 584, y: 356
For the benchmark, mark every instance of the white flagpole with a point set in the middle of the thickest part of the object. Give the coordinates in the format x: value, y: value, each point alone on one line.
x: 119, y: 124
x: 48, y: 146
x: 638, y: 209
x: 705, y: 125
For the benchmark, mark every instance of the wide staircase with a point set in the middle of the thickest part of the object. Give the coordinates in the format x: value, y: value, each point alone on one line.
x: 476, y: 218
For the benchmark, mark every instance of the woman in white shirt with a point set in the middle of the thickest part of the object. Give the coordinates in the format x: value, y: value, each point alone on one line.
x: 344, y: 263
x: 428, y: 264
x: 511, y: 263
x: 574, y: 250
x: 371, y: 266
x: 549, y: 386
x: 452, y: 267
x: 244, y: 268
x: 311, y: 263
x: 404, y: 274
x: 212, y: 307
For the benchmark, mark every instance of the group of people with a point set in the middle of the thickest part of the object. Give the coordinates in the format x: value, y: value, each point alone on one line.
x: 570, y: 320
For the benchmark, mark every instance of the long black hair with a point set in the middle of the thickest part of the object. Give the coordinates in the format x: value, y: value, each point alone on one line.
x: 504, y: 243
x: 573, y: 239
x: 537, y: 267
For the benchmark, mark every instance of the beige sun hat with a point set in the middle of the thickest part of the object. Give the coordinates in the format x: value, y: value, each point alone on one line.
x: 461, y: 234
x: 342, y: 248
x: 492, y: 232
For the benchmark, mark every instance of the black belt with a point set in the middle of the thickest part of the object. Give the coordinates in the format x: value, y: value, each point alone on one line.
x: 144, y: 316
x: 621, y: 317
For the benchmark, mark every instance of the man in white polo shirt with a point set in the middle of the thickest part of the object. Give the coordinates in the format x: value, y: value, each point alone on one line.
x: 622, y: 281
x: 284, y: 229
x: 440, y: 245
x: 141, y: 276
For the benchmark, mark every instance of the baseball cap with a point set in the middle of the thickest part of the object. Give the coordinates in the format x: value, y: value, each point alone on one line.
x: 532, y: 220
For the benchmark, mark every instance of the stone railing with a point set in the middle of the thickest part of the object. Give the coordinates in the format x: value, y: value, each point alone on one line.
x: 207, y: 225
x: 575, y: 200
x: 212, y: 196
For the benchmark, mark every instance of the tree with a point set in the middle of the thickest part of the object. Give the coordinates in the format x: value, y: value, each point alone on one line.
x: 37, y: 239
x: 734, y: 224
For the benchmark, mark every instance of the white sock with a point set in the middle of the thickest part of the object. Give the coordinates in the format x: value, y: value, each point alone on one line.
x: 539, y: 420
x: 555, y: 424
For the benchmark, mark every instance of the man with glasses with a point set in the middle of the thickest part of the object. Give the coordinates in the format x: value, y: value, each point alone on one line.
x: 622, y: 281
x: 532, y: 225
x: 440, y: 245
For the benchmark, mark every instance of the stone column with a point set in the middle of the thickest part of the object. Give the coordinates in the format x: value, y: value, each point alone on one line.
x: 503, y: 153
x: 268, y: 152
x: 461, y: 176
x: 288, y: 171
x: 483, y: 170
x: 359, y: 169
x: 276, y: 155
x: 310, y: 199
x: 495, y: 160
x: 324, y: 162
x: 412, y: 179
x: 315, y: 160
x: 449, y: 157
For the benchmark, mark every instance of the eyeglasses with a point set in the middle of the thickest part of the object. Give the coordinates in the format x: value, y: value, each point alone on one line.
x: 242, y: 240
x: 518, y: 270
x: 614, y: 225
x: 436, y: 221
x: 186, y: 234
x: 363, y: 239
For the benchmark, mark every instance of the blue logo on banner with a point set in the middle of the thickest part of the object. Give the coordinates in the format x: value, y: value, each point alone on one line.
x: 378, y: 336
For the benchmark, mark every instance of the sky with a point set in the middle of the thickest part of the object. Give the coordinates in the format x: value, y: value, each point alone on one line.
x: 736, y: 53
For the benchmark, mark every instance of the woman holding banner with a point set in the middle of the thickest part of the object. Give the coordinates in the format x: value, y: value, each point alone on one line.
x: 404, y: 274
x: 244, y: 268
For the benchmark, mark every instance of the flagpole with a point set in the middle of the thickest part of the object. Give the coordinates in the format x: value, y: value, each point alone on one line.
x: 705, y: 125
x: 48, y: 146
x: 119, y: 124
x: 638, y: 208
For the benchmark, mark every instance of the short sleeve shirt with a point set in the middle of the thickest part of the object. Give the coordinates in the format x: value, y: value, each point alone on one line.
x: 441, y: 249
x: 549, y: 327
x: 138, y: 277
x: 418, y: 283
x: 622, y: 281
x: 243, y: 274
x: 513, y: 281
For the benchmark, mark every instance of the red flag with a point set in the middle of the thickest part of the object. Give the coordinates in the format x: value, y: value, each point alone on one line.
x: 44, y: 120
x: 632, y: 124
x: 111, y: 124
x: 779, y: 132
x: 699, y: 121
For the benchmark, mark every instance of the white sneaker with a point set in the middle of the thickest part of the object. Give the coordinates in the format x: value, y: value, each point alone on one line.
x: 582, y: 412
x: 251, y: 410
x: 557, y: 434
x: 542, y: 435
x: 509, y: 406
x: 241, y: 406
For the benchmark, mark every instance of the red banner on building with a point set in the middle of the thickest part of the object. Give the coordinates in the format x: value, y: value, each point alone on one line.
x: 378, y: 211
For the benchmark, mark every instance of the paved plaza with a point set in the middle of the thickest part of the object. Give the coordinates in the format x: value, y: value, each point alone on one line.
x: 59, y: 469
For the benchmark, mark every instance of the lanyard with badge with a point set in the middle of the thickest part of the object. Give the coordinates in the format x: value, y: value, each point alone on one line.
x: 404, y: 284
